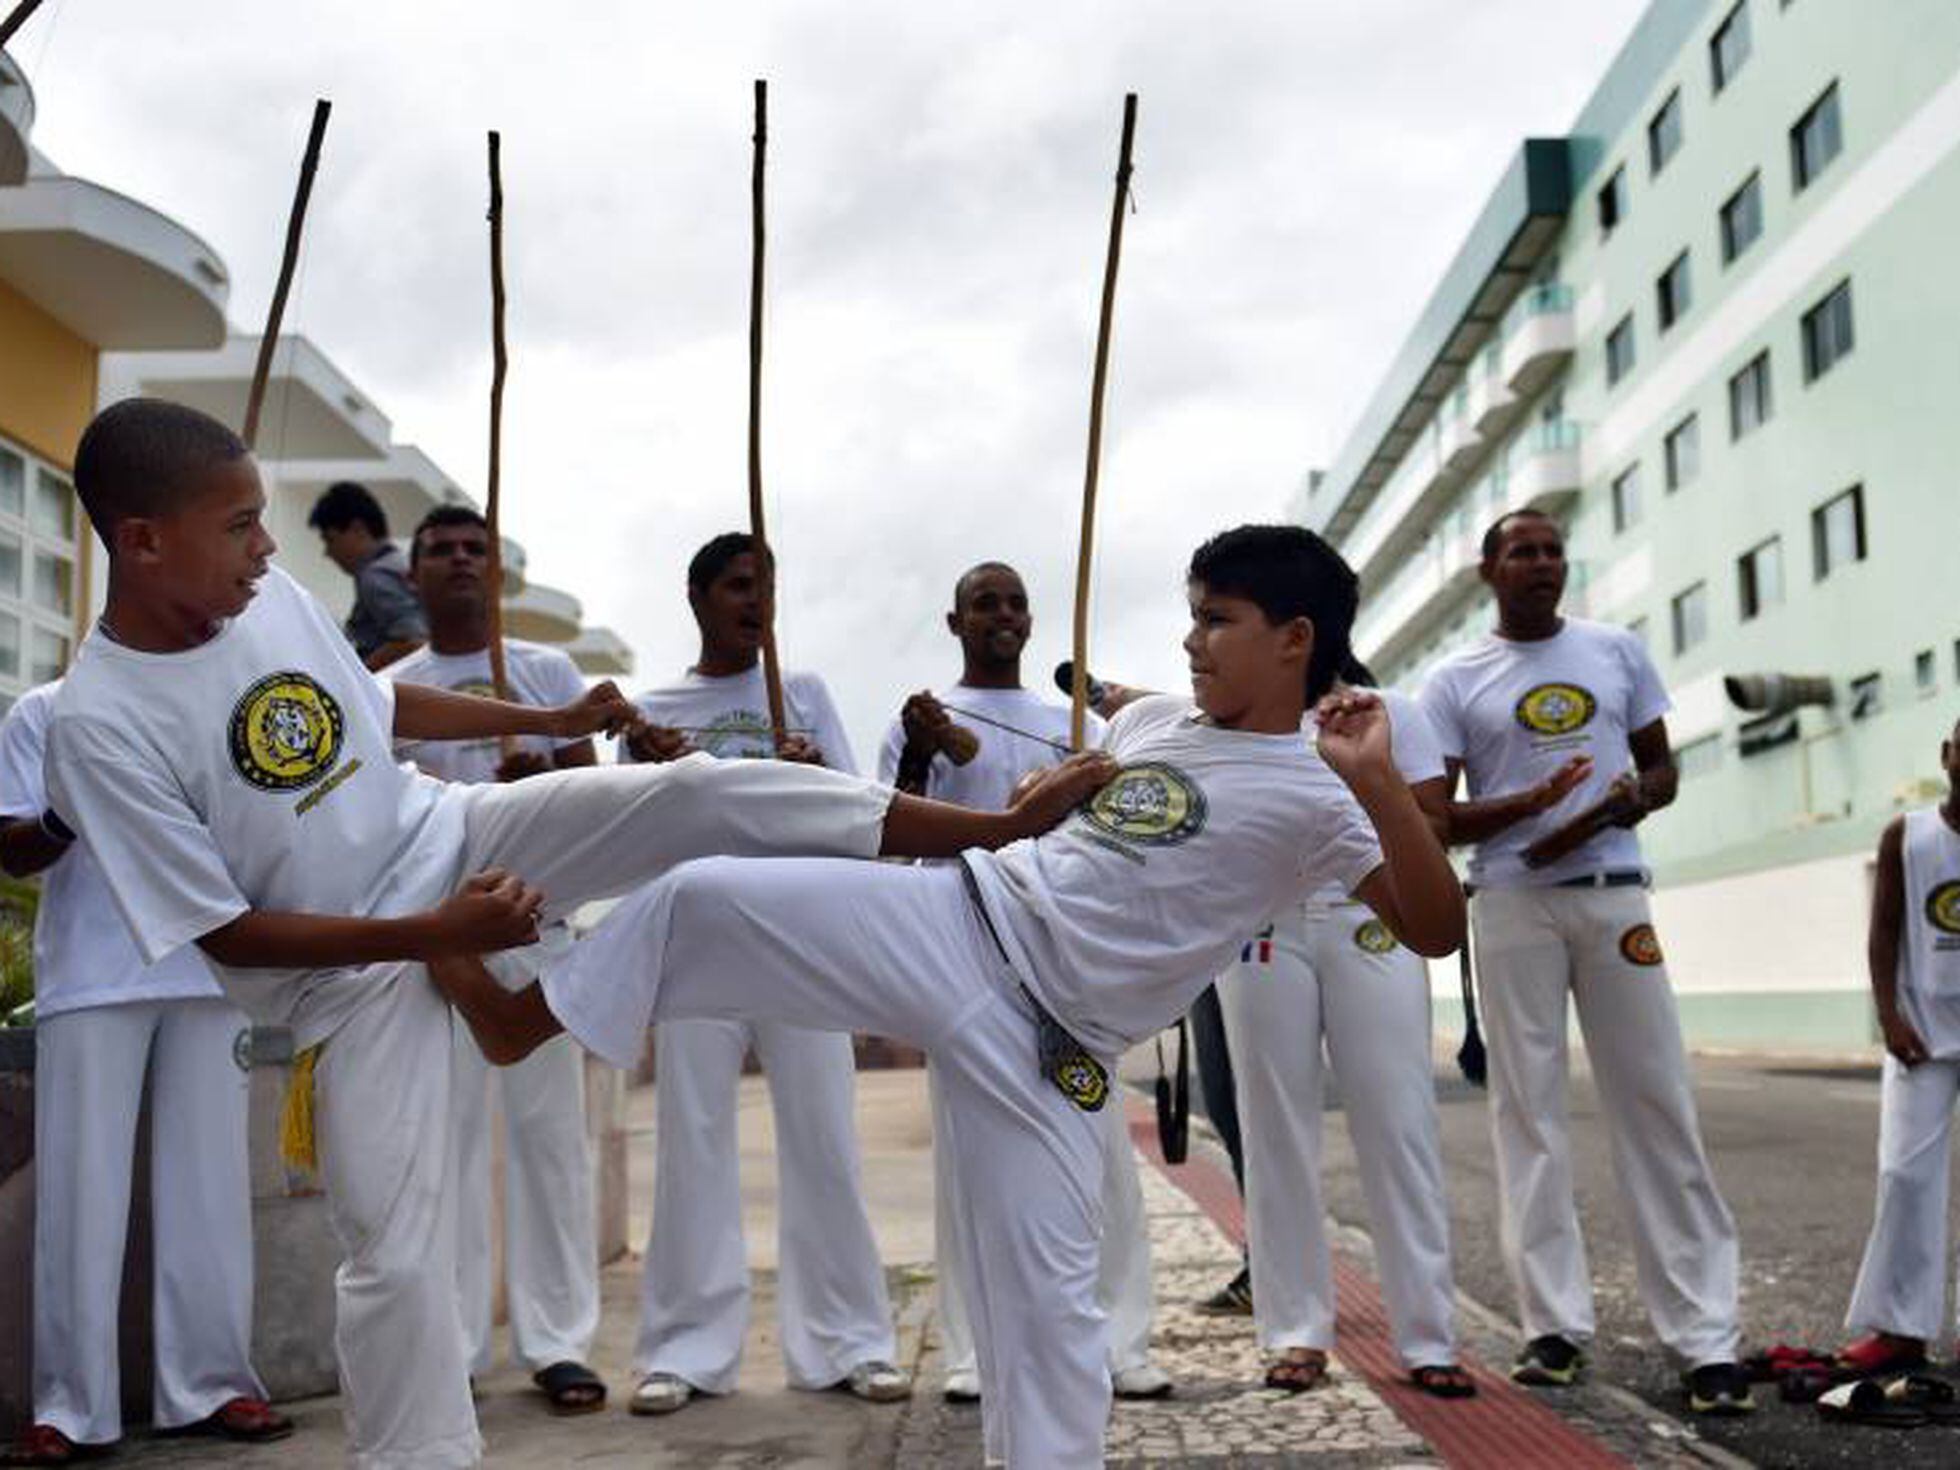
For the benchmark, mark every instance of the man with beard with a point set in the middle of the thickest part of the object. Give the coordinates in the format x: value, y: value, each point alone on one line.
x: 1557, y: 723
x: 1018, y: 731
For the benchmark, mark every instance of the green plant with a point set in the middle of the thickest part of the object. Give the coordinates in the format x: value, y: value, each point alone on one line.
x: 18, y: 902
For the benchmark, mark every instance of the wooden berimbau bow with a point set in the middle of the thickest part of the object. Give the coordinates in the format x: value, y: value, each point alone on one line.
x: 772, y: 671
x: 288, y: 263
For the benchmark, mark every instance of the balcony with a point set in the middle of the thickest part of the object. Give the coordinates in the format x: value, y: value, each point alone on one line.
x: 1460, y: 443
x: 16, y: 121
x: 1493, y: 405
x: 1545, y: 472
x: 1538, y: 337
x: 600, y: 651
x: 542, y: 614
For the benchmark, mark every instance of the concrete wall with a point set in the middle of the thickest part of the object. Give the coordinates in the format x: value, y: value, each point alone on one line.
x: 47, y: 380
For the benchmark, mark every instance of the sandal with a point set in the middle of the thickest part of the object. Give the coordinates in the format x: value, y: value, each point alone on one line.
x: 1865, y: 1402
x: 1878, y: 1353
x: 1933, y: 1397
x: 247, y: 1420
x: 1292, y: 1374
x: 43, y: 1444
x: 1443, y: 1381
x: 571, y: 1388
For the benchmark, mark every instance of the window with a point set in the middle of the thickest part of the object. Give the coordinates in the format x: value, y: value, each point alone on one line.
x: 50, y: 657
x: 1728, y: 48
x: 13, y: 477
x: 54, y: 506
x: 40, y: 586
x: 1817, y: 138
x: 1827, y: 332
x: 1867, y: 695
x: 1750, y: 403
x: 1837, y: 532
x: 9, y: 646
x: 1671, y: 291
x: 1759, y: 577
x: 1699, y: 757
x: 52, y: 583
x: 1619, y: 350
x: 1613, y: 200
x: 1742, y: 217
x: 1690, y: 613
x: 1924, y: 675
x: 1682, y: 450
x: 1626, y: 499
x: 1664, y: 133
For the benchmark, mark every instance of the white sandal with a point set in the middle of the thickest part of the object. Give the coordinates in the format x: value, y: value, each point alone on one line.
x: 660, y: 1393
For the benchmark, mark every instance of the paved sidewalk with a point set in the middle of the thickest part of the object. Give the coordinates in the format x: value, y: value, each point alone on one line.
x: 1220, y: 1415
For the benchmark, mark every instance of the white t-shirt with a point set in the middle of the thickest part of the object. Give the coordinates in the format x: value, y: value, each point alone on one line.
x: 537, y: 675
x: 1417, y: 755
x: 255, y: 771
x: 1929, y: 947
x: 987, y: 781
x: 1515, y: 712
x: 1121, y: 915
x: 728, y: 715
x: 83, y: 955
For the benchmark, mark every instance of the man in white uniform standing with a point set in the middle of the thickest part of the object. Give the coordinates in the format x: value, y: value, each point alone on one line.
x: 835, y: 1314
x: 102, y: 1018
x: 551, y: 1268
x: 1018, y: 731
x: 1914, y: 950
x: 1557, y: 723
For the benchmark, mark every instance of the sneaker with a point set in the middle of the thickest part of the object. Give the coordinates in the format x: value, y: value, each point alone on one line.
x: 1719, y: 1388
x: 660, y: 1393
x: 1550, y: 1361
x: 962, y: 1386
x: 878, y: 1382
x: 1145, y: 1381
x: 1233, y: 1299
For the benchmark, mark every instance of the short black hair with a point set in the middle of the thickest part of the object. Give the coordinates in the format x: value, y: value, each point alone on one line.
x: 1288, y: 572
x: 713, y: 559
x: 443, y: 515
x: 959, y: 587
x: 139, y: 457
x: 1494, y: 534
x: 342, y: 504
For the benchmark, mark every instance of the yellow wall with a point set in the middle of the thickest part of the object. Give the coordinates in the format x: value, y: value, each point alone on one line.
x: 47, y: 380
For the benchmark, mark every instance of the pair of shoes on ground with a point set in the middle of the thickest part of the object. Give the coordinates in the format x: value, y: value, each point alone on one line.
x: 1905, y: 1402
x: 875, y: 1382
x: 1233, y: 1299
x: 250, y: 1420
x: 1555, y: 1361
x: 1145, y: 1381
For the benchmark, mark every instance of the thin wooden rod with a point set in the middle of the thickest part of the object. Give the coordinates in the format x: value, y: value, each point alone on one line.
x: 309, y: 164
x: 493, y: 502
x: 772, y: 672
x: 1079, y: 694
x: 16, y: 20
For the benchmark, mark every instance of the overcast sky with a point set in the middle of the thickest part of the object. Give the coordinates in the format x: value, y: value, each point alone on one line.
x: 940, y: 182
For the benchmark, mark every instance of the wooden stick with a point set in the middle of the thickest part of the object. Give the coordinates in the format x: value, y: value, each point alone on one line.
x: 262, y: 370
x: 772, y: 671
x: 16, y: 20
x: 492, y: 495
x: 1079, y: 694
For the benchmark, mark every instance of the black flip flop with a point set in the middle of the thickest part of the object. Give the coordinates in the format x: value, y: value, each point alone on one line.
x: 571, y: 1388
x: 1866, y: 1402
x: 1933, y: 1397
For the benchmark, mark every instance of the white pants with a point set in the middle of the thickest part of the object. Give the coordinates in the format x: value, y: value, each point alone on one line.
x: 694, y: 1292
x: 900, y: 951
x: 383, y: 1079
x: 1902, y: 1282
x: 1312, y: 982
x: 1535, y: 946
x: 551, y: 1262
x: 1123, y: 1283
x: 88, y: 1086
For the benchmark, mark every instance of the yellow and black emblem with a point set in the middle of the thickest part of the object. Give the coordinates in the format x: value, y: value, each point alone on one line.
x: 1943, y: 908
x: 1556, y: 709
x: 1083, y: 1080
x: 1153, y: 803
x: 1374, y: 936
x: 1640, y: 945
x: 285, y: 732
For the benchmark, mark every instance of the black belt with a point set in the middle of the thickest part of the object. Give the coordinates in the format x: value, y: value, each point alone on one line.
x: 1618, y: 878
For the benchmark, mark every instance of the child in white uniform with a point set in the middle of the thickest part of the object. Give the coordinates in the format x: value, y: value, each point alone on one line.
x: 1023, y: 974
x: 1018, y: 731
x: 551, y: 1267
x: 835, y: 1315
x: 1327, y: 971
x: 1900, y: 1297
x: 230, y: 762
x: 102, y: 1019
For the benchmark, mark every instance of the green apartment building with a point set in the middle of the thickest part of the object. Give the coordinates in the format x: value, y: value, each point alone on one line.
x: 1716, y: 330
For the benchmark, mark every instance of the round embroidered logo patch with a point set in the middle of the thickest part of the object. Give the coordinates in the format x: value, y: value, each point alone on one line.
x: 1640, y: 945
x: 1151, y: 803
x: 285, y: 732
x: 1373, y: 936
x: 1083, y: 1082
x: 1943, y: 908
x: 241, y: 1049
x: 1556, y: 709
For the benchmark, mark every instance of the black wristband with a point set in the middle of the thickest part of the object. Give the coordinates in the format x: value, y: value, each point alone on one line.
x: 53, y: 827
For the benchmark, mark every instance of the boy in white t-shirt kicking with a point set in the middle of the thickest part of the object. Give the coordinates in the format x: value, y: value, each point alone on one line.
x: 230, y: 762
x: 1018, y: 731
x: 835, y: 1314
x: 103, y: 1022
x: 1023, y: 974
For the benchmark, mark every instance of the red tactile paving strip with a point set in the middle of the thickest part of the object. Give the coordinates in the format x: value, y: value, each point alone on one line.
x: 1503, y: 1428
